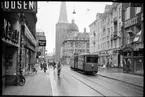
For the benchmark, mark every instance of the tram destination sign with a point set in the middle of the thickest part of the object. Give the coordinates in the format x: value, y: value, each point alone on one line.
x: 19, y: 6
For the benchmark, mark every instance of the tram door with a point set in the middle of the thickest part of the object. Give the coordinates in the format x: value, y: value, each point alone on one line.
x: 75, y: 61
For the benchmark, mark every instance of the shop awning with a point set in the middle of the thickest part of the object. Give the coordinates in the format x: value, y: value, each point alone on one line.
x: 138, y: 37
x: 29, y: 35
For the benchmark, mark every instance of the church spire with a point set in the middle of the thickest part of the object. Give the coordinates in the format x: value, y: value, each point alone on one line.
x: 63, y: 13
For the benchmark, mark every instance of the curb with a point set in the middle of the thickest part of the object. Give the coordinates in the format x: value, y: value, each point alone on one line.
x: 120, y: 80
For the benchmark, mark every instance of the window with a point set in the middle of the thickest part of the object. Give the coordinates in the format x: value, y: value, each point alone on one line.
x: 137, y: 10
x: 76, y: 44
x: 120, y: 12
x: 127, y: 13
x: 71, y: 44
x: 108, y: 44
x: 92, y: 59
x: 119, y: 26
x: 108, y: 31
x: 112, y: 29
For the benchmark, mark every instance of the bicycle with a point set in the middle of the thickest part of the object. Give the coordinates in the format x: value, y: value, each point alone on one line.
x: 20, y: 79
x: 34, y: 70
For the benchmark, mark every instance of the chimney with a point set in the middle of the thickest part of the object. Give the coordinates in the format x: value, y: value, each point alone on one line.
x: 84, y: 30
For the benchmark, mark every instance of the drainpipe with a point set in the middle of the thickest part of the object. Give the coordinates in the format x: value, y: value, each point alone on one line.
x: 123, y: 28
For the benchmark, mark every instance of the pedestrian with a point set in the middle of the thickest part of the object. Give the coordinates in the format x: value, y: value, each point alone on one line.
x: 48, y: 63
x: 128, y: 65
x: 41, y: 65
x: 54, y: 65
x: 59, y: 67
x: 45, y: 66
x: 107, y: 64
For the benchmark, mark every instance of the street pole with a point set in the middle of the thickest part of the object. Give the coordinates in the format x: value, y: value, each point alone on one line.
x: 21, y: 40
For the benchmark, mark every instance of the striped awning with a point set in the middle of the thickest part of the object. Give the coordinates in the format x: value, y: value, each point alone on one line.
x: 138, y: 37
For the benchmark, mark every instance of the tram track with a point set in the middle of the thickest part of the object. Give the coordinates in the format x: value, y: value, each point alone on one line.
x: 119, y: 93
x: 85, y: 84
x: 128, y: 85
x: 120, y: 81
x: 113, y: 93
x: 123, y: 82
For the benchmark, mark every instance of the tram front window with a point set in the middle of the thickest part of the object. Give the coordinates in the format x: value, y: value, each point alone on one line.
x: 92, y: 59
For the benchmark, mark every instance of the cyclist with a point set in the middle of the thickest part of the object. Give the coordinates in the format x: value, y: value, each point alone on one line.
x: 59, y: 66
x: 54, y: 65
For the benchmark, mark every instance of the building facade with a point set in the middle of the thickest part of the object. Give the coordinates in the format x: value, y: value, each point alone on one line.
x: 105, y: 35
x: 75, y: 42
x: 61, y: 30
x: 17, y: 40
x: 41, y: 43
x: 133, y: 38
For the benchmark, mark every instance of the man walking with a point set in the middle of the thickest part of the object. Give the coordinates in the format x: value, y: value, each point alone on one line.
x: 45, y: 66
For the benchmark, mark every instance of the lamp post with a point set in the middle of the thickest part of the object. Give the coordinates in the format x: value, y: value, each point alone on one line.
x: 22, y: 19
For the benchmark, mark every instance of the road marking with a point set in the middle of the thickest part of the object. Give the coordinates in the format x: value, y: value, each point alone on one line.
x: 53, y: 83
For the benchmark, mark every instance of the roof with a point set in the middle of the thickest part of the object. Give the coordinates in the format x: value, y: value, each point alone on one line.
x: 88, y: 54
x: 77, y: 36
x: 72, y: 27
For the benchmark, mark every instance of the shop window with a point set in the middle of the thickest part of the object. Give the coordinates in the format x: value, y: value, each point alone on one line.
x: 138, y: 53
x: 138, y: 65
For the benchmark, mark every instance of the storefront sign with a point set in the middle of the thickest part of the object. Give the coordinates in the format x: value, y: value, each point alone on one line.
x: 10, y: 33
x: 19, y: 6
x: 136, y: 4
x: 42, y: 42
x: 29, y: 35
x: 131, y: 22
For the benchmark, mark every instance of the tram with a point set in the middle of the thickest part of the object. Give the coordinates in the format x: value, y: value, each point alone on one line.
x: 86, y: 62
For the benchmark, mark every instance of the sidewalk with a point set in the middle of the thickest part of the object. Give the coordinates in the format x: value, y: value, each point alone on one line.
x: 38, y: 84
x: 117, y: 74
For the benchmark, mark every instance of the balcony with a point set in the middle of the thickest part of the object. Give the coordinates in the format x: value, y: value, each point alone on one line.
x: 115, y: 36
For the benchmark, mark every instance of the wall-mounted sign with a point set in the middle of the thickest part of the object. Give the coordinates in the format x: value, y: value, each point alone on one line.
x: 19, y: 6
x: 131, y: 21
x: 42, y: 42
x: 9, y: 32
x: 136, y: 4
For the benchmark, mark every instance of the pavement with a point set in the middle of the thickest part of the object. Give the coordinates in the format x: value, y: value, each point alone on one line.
x: 117, y: 74
x: 36, y: 84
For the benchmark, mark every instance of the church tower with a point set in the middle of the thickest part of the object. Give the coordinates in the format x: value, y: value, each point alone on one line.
x: 61, y: 30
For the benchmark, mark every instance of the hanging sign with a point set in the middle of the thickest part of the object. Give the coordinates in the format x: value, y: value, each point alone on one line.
x: 42, y: 42
x: 19, y: 6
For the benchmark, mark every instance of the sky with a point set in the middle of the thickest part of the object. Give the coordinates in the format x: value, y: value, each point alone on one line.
x: 48, y: 16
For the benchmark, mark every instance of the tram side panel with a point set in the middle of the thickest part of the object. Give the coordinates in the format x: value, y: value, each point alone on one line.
x: 72, y: 62
x: 80, y: 63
